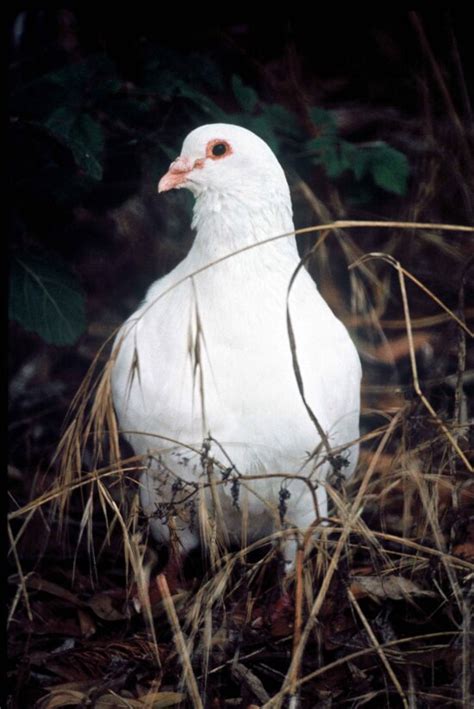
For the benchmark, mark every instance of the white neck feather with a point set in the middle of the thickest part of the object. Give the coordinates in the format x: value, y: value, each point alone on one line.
x: 225, y: 223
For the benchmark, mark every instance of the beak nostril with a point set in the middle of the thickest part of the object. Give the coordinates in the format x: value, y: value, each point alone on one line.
x: 180, y: 165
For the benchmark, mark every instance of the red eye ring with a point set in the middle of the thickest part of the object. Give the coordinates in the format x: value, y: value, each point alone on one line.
x: 218, y: 149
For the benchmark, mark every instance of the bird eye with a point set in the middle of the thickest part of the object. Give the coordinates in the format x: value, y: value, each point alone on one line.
x: 219, y: 149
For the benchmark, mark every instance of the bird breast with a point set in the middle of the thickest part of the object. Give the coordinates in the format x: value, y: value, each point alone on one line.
x: 208, y: 362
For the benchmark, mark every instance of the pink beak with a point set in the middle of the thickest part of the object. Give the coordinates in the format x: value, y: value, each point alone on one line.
x: 176, y: 175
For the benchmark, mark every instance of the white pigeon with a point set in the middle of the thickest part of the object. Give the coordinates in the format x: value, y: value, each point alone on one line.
x: 204, y: 381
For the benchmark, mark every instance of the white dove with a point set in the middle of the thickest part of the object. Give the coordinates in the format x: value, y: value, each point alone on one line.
x: 205, y: 381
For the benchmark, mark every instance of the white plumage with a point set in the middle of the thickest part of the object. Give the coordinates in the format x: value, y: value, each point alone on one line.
x: 207, y: 355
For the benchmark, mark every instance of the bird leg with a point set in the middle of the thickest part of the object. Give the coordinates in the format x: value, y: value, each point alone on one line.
x: 173, y: 569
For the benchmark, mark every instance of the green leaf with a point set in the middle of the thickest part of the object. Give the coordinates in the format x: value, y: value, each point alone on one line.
x: 60, y: 122
x: 282, y: 120
x: 323, y: 120
x: 47, y: 299
x: 247, y: 97
x: 332, y: 154
x: 72, y: 77
x: 316, y: 146
x: 334, y: 161
x: 360, y: 161
x: 389, y: 168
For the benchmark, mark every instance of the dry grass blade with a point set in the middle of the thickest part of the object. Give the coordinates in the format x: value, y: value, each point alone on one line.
x: 378, y: 648
x: 22, y: 581
x: 180, y: 642
x: 60, y: 489
x: 467, y: 647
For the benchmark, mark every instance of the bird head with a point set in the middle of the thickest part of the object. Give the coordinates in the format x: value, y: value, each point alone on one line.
x: 226, y: 159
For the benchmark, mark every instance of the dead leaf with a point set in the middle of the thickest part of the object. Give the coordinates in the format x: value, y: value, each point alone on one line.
x: 39, y: 584
x: 465, y: 551
x: 86, y: 622
x: 67, y: 694
x: 105, y: 606
x: 48, y: 621
x: 155, y: 700
x: 381, y: 587
x: 339, y: 630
